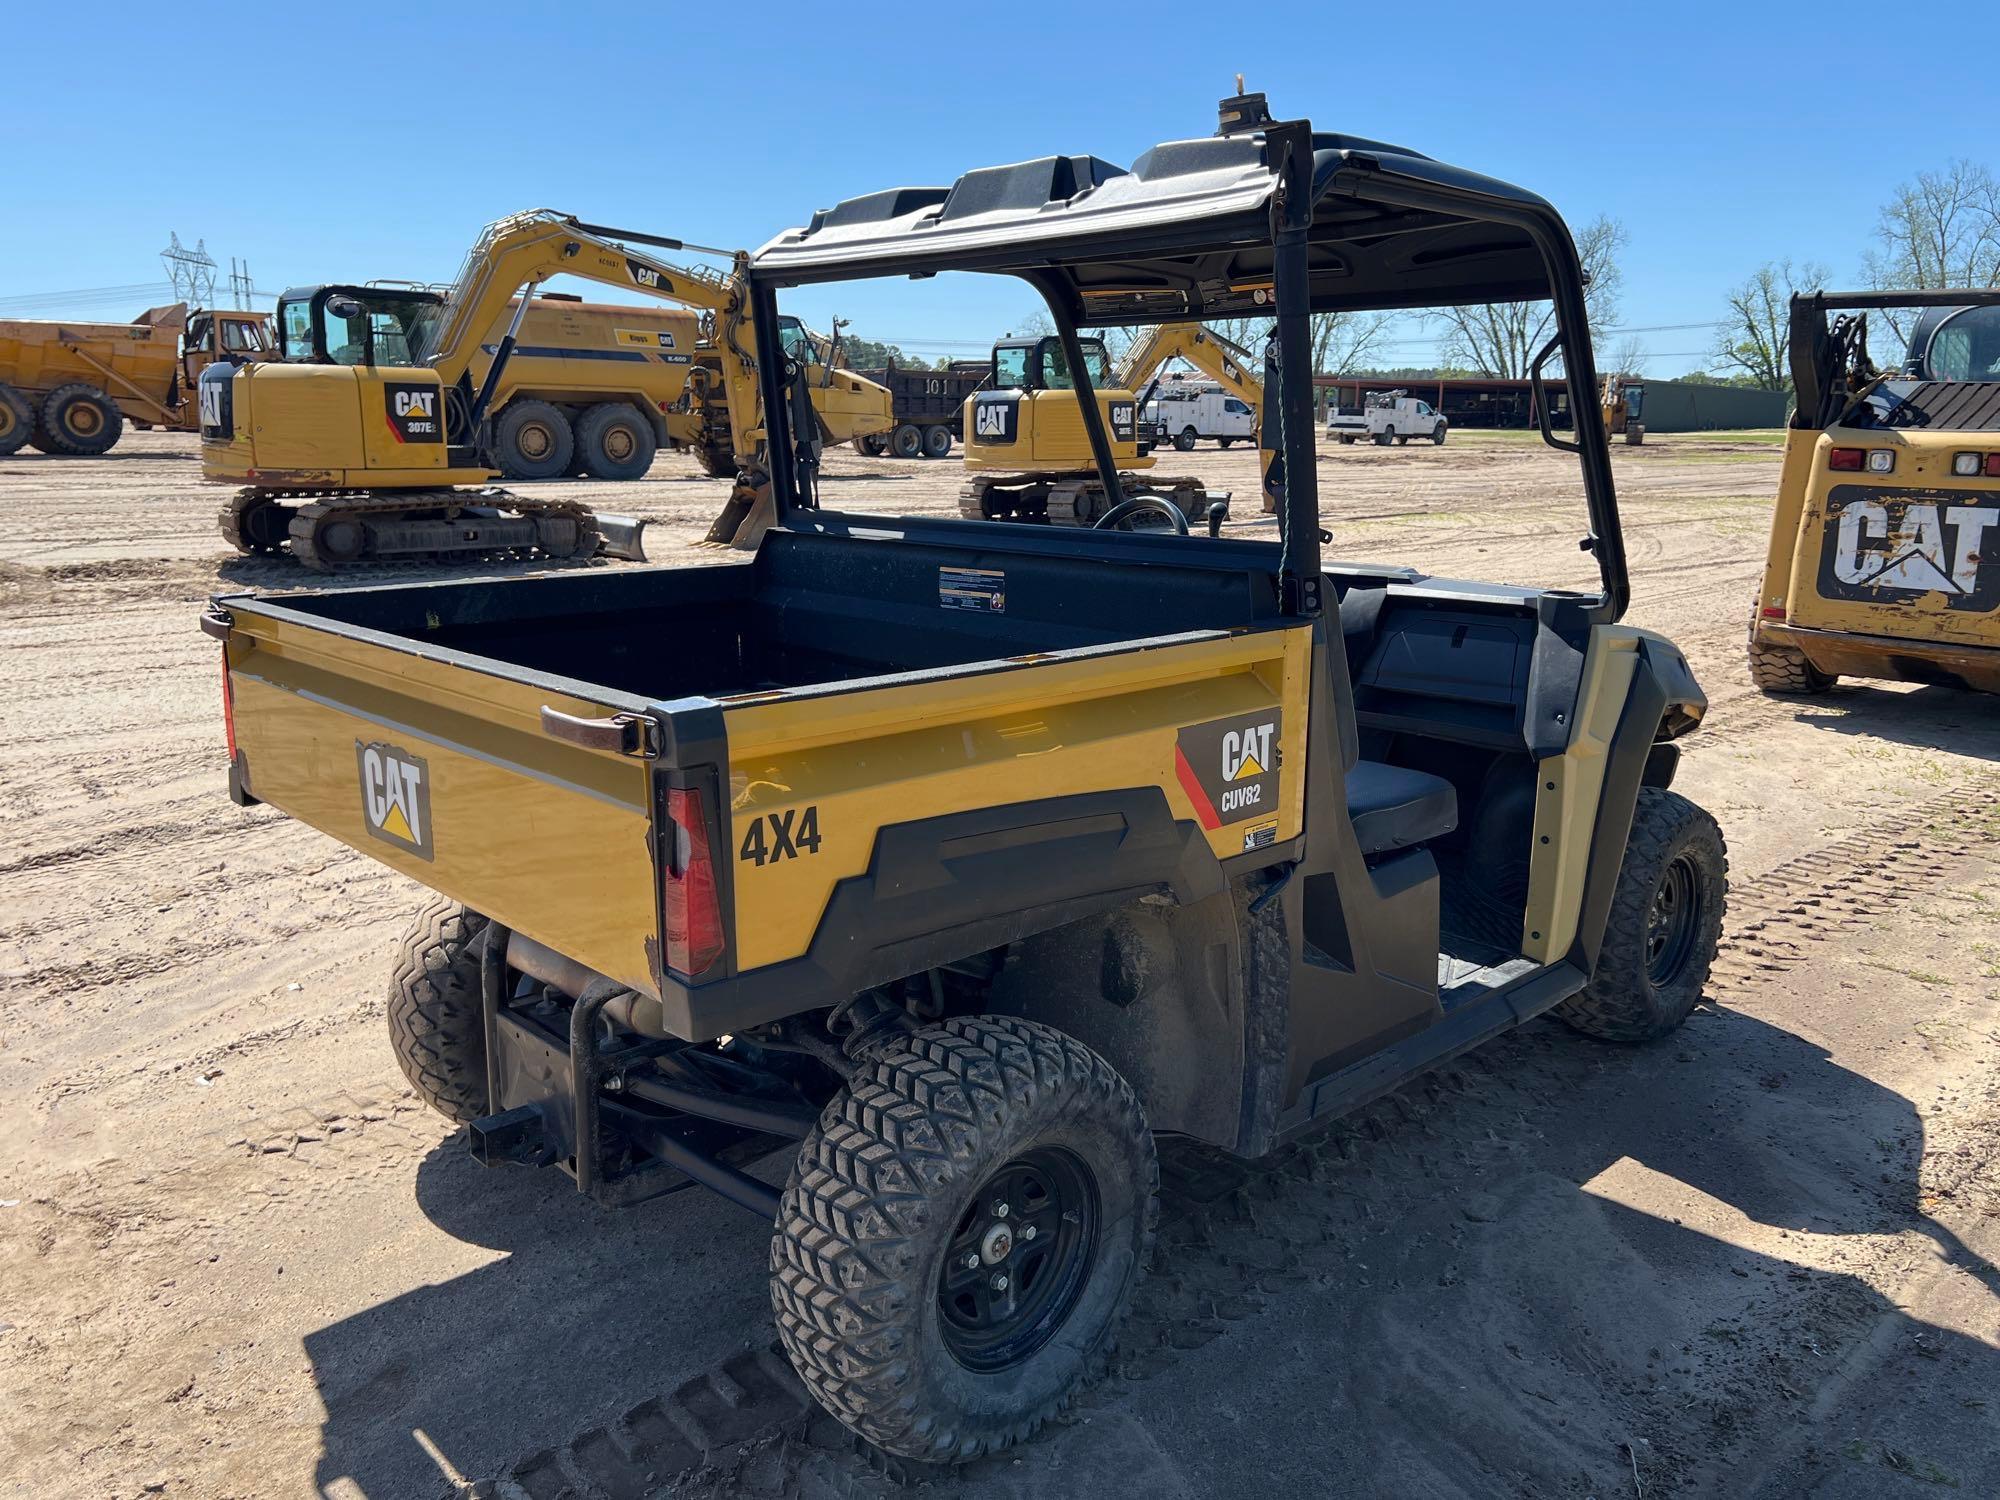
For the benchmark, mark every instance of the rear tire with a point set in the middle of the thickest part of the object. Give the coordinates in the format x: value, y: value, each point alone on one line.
x: 1666, y: 917
x: 906, y: 441
x: 1347, y: 440
x: 17, y: 420
x: 1783, y: 670
x: 1184, y: 440
x: 532, y: 440
x: 1385, y: 437
x: 436, y: 1023
x: 1224, y: 442
x: 887, y: 1323
x: 81, y: 421
x: 615, y: 441
x: 937, y: 442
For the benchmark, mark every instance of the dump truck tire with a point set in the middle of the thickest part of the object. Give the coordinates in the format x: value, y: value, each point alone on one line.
x: 1783, y: 671
x: 615, y: 441
x: 81, y: 421
x: 907, y: 441
x: 901, y: 1185
x: 1666, y: 917
x: 937, y: 442
x: 17, y: 420
x: 532, y: 440
x: 436, y: 1025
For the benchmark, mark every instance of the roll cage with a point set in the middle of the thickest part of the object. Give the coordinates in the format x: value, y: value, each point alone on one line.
x: 1268, y: 218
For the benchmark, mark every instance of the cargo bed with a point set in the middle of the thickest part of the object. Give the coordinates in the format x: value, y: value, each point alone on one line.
x: 526, y: 745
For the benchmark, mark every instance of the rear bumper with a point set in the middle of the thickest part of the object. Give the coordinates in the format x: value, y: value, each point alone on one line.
x: 1895, y: 659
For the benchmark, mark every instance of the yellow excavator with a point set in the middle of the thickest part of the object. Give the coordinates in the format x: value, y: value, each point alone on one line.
x: 376, y: 448
x: 1227, y: 364
x: 1029, y: 455
x: 1622, y: 400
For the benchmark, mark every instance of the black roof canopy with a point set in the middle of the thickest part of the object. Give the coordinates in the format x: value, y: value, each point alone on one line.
x: 1186, y: 233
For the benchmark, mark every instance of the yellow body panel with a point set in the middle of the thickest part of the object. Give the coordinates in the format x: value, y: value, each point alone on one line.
x: 598, y: 352
x: 877, y: 757
x: 328, y: 427
x: 1050, y: 437
x: 1871, y: 574
x: 544, y: 836
x: 1568, y: 789
x: 140, y: 365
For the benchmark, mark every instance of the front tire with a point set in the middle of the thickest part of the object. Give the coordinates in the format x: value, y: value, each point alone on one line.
x: 1666, y: 917
x: 986, y: 1138
x: 436, y: 1025
x: 17, y: 420
x: 1437, y: 434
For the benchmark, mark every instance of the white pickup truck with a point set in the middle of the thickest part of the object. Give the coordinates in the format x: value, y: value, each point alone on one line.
x: 1387, y: 417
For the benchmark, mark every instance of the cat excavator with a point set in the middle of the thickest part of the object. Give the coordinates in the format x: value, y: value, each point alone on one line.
x: 376, y: 448
x: 1029, y: 451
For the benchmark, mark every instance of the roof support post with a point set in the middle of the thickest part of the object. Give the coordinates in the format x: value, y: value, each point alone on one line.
x: 1086, y: 392
x: 1299, y: 578
x: 777, y: 413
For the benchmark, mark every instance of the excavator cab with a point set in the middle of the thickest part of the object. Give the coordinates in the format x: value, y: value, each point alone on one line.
x: 1028, y: 415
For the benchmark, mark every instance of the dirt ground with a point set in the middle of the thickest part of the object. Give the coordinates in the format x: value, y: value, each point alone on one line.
x: 237, y: 1259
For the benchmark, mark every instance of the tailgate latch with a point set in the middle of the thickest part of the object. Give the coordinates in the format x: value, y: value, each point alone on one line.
x: 635, y: 735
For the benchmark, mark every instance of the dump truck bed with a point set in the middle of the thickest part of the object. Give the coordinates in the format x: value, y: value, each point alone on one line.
x: 752, y: 790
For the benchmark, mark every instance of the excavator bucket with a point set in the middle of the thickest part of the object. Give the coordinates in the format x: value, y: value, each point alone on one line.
x: 749, y: 512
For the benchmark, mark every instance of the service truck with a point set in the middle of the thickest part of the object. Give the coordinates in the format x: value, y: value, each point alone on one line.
x: 949, y: 861
x: 1386, y: 418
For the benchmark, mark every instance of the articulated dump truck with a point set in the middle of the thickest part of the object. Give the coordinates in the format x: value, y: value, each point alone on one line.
x: 68, y: 389
x: 944, y: 862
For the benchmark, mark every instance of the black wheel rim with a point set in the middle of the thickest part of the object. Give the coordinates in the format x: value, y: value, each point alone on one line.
x: 1673, y: 921
x: 1018, y: 1259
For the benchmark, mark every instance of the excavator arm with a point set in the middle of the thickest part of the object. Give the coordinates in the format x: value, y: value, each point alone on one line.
x: 1226, y: 363
x: 514, y: 255
x: 1205, y: 349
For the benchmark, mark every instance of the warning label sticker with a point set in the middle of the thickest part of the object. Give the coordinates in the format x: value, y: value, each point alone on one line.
x: 973, y: 588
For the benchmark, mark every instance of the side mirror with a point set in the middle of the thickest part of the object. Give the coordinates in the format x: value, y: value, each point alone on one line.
x: 343, y: 307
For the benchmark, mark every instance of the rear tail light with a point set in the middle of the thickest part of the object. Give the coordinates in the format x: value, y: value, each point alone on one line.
x: 1993, y: 466
x: 690, y: 906
x: 1847, y: 460
x: 1773, y: 611
x: 228, y: 705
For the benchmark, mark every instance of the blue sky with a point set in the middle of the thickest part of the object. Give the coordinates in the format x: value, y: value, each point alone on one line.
x: 375, y: 143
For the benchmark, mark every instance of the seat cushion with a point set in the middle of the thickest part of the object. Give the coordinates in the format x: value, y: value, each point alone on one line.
x: 1393, y: 808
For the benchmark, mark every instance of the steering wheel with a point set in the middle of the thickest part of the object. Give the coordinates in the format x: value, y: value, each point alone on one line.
x: 1115, y: 518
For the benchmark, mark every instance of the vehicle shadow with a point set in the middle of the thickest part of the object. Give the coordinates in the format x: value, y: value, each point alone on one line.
x: 27, y: 456
x: 1355, y: 1239
x: 1931, y: 717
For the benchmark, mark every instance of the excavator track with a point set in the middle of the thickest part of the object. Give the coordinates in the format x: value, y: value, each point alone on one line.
x: 1070, y: 499
x: 328, y: 530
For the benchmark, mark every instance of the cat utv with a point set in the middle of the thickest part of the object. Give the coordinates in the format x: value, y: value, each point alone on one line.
x: 946, y: 862
x: 1885, y: 543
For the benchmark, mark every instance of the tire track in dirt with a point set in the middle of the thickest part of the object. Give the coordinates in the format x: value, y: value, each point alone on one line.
x: 1235, y: 1233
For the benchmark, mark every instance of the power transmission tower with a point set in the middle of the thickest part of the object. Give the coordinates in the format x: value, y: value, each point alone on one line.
x: 240, y: 285
x: 191, y: 271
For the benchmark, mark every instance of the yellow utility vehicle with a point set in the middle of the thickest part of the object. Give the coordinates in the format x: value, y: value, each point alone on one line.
x: 68, y: 389
x: 1885, y: 542
x: 954, y: 860
x: 352, y: 448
